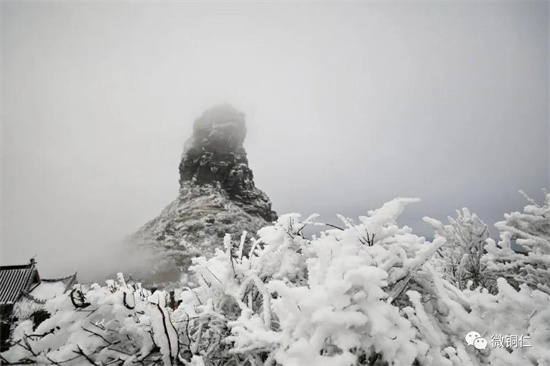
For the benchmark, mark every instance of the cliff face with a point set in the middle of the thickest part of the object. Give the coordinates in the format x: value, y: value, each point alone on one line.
x: 217, y: 194
x: 214, y: 156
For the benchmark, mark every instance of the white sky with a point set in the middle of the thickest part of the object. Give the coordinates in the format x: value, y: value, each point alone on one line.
x: 348, y: 106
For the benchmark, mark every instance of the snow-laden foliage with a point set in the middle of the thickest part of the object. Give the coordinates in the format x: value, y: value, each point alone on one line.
x: 531, y: 230
x: 300, y: 301
x: 368, y: 293
x: 459, y: 260
x: 117, y: 324
x: 364, y: 294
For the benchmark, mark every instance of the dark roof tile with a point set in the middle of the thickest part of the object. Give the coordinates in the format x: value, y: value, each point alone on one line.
x: 14, y: 280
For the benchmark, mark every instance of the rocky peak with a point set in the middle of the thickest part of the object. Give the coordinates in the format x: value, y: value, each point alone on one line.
x: 215, y: 156
x: 221, y: 129
x: 217, y: 196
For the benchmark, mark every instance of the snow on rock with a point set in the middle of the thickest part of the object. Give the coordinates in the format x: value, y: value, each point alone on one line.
x: 217, y: 195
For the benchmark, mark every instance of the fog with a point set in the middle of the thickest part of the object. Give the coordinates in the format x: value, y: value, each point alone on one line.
x: 347, y: 105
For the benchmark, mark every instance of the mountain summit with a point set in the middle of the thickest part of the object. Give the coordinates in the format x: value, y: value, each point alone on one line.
x: 217, y: 193
x: 214, y: 156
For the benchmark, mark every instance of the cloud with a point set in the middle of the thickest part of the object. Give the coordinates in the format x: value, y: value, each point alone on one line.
x: 348, y: 106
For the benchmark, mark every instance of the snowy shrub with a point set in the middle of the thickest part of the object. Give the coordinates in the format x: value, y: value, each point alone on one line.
x: 531, y: 230
x: 363, y: 294
x: 368, y: 293
x: 459, y: 260
x: 510, y: 312
x: 115, y: 324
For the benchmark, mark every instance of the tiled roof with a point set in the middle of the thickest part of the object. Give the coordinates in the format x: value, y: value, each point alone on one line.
x: 14, y: 280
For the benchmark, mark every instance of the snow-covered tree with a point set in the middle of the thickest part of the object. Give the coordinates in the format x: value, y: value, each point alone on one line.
x: 116, y: 324
x: 531, y: 230
x: 459, y: 260
x: 363, y: 294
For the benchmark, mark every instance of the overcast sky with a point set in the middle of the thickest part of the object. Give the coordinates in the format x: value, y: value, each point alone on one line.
x: 348, y: 106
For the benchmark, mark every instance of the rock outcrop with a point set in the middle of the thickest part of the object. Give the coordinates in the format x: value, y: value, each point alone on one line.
x: 214, y: 156
x: 217, y: 195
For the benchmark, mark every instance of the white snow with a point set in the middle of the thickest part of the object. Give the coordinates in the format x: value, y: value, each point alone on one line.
x: 48, y: 290
x: 338, y: 299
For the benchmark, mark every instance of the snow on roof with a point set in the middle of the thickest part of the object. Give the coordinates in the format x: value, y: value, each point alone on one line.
x: 48, y: 289
x: 17, y: 281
